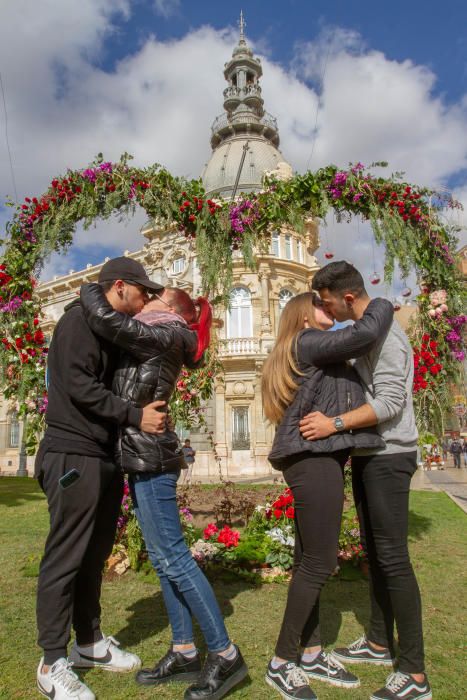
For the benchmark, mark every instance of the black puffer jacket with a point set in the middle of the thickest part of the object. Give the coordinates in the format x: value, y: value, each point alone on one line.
x: 148, y: 371
x: 330, y: 385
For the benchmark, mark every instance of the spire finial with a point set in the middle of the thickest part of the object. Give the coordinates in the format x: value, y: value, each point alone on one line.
x: 242, y: 25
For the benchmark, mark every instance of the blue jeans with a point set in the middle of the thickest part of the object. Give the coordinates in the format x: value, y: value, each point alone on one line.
x: 185, y: 588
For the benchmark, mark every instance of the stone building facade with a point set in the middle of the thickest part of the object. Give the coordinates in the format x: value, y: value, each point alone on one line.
x: 245, y: 145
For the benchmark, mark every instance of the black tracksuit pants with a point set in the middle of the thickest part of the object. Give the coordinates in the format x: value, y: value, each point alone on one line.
x: 83, y: 520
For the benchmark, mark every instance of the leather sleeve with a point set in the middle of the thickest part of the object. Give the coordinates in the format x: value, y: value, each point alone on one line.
x: 328, y: 347
x: 137, y: 338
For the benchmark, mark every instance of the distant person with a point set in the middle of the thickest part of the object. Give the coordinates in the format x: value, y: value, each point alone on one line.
x: 464, y: 451
x: 445, y: 447
x: 189, y: 453
x: 456, y: 451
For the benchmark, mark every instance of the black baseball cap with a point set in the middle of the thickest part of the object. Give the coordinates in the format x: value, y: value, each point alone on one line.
x: 128, y: 270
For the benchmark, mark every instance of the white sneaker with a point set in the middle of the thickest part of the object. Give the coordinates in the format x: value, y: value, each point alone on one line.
x: 104, y: 654
x: 60, y: 683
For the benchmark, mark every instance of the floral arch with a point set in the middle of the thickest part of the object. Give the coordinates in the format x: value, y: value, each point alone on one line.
x: 407, y: 219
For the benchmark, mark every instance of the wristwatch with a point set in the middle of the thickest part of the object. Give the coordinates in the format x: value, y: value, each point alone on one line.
x: 339, y: 424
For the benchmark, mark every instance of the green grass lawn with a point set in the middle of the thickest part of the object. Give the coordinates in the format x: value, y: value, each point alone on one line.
x: 134, y: 612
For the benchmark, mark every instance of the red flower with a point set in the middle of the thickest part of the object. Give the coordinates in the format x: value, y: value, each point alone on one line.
x: 28, y: 337
x: 39, y: 337
x: 19, y: 343
x: 277, y: 513
x: 290, y: 512
x: 228, y: 537
x: 210, y: 530
x: 36, y: 322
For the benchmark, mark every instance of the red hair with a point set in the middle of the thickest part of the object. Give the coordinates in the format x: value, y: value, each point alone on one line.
x: 203, y: 326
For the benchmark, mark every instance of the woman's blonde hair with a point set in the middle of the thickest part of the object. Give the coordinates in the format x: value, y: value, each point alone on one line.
x: 278, y: 384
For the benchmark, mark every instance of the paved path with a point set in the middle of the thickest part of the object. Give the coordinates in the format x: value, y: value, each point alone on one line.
x: 452, y: 481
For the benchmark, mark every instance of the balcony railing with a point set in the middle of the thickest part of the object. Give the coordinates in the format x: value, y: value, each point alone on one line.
x: 239, y: 346
x: 223, y: 121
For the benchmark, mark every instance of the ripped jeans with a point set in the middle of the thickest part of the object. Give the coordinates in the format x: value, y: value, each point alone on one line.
x: 185, y: 588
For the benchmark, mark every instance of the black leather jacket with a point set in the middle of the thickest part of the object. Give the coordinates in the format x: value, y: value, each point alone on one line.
x: 330, y: 385
x: 148, y: 371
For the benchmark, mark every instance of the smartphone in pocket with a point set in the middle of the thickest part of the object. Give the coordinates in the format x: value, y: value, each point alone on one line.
x: 69, y: 478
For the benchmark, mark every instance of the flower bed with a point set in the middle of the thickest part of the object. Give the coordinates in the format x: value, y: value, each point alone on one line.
x: 263, y: 547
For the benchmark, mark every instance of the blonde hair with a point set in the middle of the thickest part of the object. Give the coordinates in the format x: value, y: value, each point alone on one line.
x: 278, y: 384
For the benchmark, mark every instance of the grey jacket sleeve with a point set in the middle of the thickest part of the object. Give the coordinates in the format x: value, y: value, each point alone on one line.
x: 328, y: 347
x: 389, y: 380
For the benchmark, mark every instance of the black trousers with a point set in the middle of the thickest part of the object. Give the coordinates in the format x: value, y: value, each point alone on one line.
x: 83, y: 521
x: 381, y: 486
x: 317, y: 484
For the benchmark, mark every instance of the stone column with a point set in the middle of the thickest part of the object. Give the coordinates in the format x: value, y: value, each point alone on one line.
x: 266, y: 328
x: 220, y: 437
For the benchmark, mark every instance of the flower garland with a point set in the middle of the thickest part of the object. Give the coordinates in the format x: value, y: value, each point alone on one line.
x: 405, y: 217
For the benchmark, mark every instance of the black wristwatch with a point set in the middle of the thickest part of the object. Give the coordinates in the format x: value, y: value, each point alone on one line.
x: 339, y: 424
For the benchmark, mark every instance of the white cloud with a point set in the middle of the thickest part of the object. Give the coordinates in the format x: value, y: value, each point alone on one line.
x: 159, y: 102
x: 166, y: 8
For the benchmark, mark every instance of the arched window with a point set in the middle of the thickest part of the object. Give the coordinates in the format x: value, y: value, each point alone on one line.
x: 284, y: 296
x: 13, y: 430
x: 240, y: 316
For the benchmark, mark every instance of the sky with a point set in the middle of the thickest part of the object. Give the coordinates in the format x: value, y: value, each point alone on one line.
x: 348, y: 81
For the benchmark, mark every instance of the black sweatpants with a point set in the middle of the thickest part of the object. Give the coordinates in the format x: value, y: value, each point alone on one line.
x: 317, y: 484
x: 381, y: 485
x: 83, y: 521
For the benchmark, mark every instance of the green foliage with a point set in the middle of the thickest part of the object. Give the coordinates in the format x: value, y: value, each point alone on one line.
x: 406, y: 219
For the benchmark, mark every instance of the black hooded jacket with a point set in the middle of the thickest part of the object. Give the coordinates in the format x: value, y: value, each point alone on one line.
x: 83, y: 414
x: 330, y: 385
x: 148, y: 370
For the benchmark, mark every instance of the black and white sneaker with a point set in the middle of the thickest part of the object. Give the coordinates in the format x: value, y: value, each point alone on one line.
x: 401, y: 686
x: 174, y: 666
x: 361, y: 652
x: 60, y: 683
x: 104, y: 654
x: 218, y: 676
x: 290, y: 681
x: 328, y: 669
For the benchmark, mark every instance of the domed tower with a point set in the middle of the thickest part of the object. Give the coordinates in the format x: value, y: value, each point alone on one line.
x: 244, y: 138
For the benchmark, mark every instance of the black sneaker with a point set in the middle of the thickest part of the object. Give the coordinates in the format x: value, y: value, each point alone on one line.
x: 401, y: 686
x: 174, y: 666
x: 361, y: 652
x: 327, y: 668
x: 290, y: 681
x: 218, y: 676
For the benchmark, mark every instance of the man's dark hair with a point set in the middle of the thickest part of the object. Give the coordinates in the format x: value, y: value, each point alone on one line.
x: 107, y: 286
x: 339, y: 276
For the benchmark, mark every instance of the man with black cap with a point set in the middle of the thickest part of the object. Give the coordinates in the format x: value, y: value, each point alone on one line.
x: 76, y: 470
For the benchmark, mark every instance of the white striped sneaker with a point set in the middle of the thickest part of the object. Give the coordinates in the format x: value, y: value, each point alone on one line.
x: 325, y: 667
x: 361, y: 652
x: 401, y: 686
x: 60, y: 683
x: 104, y: 654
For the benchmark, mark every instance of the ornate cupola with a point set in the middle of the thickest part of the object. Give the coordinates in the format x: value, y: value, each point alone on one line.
x: 245, y: 138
